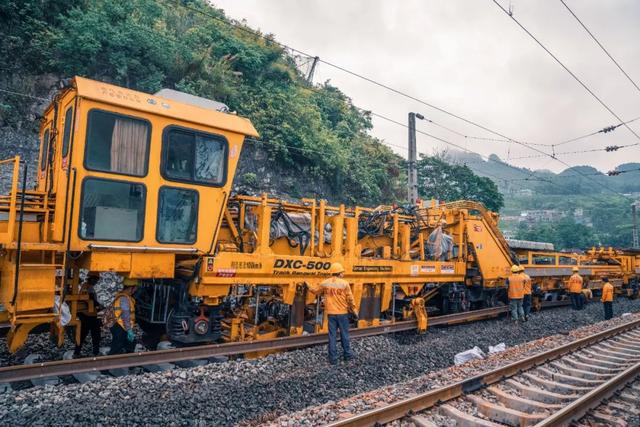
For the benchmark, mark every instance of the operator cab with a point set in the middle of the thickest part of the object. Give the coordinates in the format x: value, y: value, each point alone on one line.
x: 131, y: 172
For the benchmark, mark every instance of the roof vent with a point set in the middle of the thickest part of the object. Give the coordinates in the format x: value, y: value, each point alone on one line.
x: 187, y: 98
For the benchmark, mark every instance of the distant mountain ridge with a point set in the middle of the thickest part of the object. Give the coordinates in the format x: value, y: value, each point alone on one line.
x: 575, y: 180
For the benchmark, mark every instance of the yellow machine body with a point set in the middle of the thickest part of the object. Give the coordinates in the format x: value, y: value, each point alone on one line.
x: 140, y: 185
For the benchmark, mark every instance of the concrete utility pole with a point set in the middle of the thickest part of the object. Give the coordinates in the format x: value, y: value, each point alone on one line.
x: 412, y: 175
x: 634, y: 209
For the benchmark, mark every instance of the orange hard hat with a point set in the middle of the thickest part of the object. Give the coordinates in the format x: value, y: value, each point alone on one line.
x: 336, y: 268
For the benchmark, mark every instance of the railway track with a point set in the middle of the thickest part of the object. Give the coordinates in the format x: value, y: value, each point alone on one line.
x: 554, y: 388
x: 43, y: 370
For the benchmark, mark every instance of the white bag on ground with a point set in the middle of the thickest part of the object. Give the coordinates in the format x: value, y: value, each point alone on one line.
x: 465, y: 356
x: 63, y: 310
x: 497, y: 348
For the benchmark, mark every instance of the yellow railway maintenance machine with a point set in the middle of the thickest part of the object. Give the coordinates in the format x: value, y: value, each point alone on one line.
x: 550, y: 270
x: 139, y: 185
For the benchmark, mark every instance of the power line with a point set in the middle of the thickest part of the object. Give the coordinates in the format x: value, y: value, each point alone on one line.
x: 488, y: 159
x: 271, y: 40
x: 601, y: 46
x: 604, y: 130
x: 607, y: 149
x: 26, y: 95
x: 567, y: 69
x: 343, y: 69
x: 404, y: 94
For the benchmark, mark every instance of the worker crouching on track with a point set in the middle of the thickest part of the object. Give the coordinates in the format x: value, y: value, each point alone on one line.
x: 526, y: 299
x: 89, y: 324
x: 575, y: 289
x: 515, y: 284
x: 122, y: 321
x: 338, y: 304
x: 607, y: 298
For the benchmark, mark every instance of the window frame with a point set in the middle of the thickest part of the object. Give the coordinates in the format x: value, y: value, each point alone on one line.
x: 564, y: 257
x: 144, y: 208
x: 126, y: 116
x: 165, y: 154
x: 170, y: 187
x: 46, y: 141
x: 66, y: 138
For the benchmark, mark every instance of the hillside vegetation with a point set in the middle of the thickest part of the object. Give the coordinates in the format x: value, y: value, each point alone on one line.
x: 148, y: 45
x: 314, y: 141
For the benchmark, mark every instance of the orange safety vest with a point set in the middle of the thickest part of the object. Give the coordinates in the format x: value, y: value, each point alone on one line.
x: 338, y: 298
x: 516, y: 286
x: 607, y: 292
x: 527, y: 284
x: 575, y: 283
x: 117, y: 310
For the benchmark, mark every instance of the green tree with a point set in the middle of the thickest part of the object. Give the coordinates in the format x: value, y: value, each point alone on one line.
x: 441, y: 180
x: 564, y: 234
x: 312, y: 132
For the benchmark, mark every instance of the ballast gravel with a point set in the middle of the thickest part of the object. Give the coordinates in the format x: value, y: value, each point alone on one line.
x: 259, y: 391
x: 345, y: 408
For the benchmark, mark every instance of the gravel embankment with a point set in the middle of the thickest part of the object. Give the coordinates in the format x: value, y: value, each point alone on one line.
x: 344, y: 408
x: 258, y: 391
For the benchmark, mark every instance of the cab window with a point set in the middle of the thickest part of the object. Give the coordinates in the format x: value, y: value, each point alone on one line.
x: 112, y: 210
x: 66, y: 136
x: 177, y: 215
x: 544, y: 259
x: 565, y: 260
x: 194, y: 157
x: 45, y: 150
x: 117, y: 143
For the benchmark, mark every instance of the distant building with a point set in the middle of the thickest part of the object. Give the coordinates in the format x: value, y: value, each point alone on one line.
x: 580, y: 218
x: 541, y: 215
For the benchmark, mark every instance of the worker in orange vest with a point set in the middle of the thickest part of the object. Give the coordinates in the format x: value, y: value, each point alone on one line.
x: 526, y: 300
x: 575, y: 289
x: 121, y: 320
x: 515, y: 284
x: 607, y: 298
x: 339, y: 304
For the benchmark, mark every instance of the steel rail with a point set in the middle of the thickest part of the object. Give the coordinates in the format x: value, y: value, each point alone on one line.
x: 580, y: 407
x: 431, y: 398
x: 93, y: 364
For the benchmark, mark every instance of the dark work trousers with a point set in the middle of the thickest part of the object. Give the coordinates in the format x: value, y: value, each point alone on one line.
x: 341, y: 322
x: 608, y: 310
x: 580, y: 301
x: 89, y: 324
x: 120, y: 343
x: 576, y: 300
x: 526, y: 305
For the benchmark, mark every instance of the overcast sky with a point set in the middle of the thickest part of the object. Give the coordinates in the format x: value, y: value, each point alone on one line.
x: 470, y: 58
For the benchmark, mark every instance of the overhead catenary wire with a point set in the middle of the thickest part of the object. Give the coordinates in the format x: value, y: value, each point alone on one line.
x: 25, y: 95
x: 271, y: 40
x: 595, y: 39
x: 604, y: 130
x: 488, y: 159
x: 338, y: 67
x: 607, y: 149
x: 571, y: 73
x: 406, y: 95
